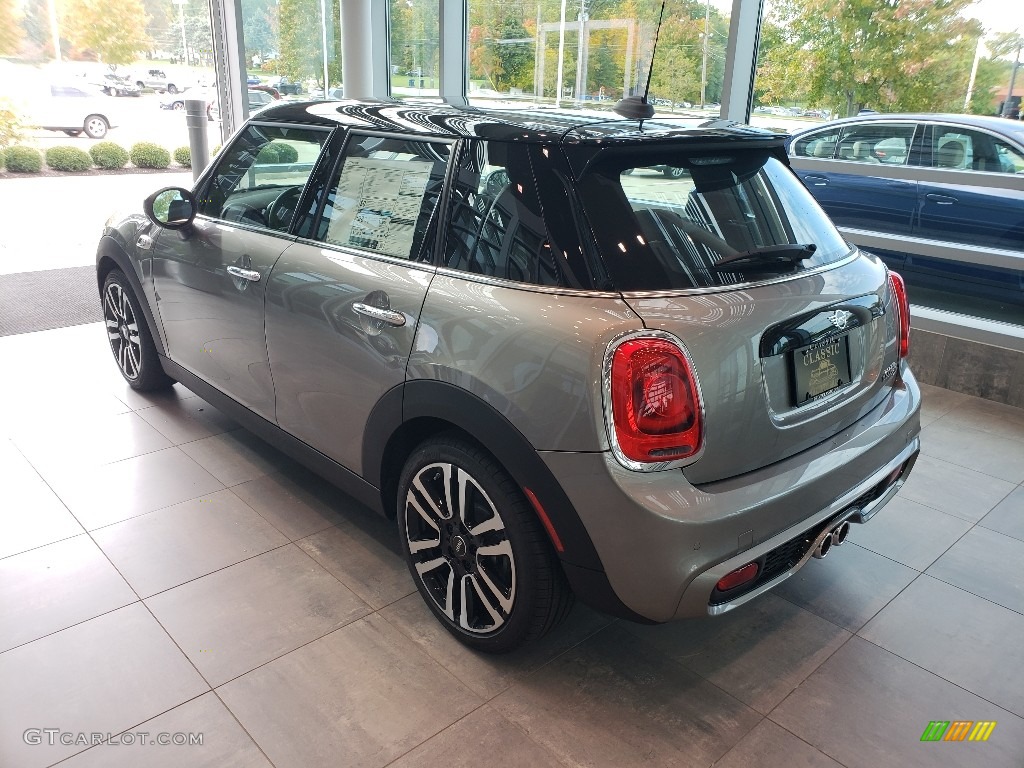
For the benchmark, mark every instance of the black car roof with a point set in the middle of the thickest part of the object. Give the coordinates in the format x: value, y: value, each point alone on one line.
x: 530, y: 123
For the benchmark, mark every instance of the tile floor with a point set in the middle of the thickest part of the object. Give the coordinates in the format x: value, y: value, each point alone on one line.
x: 162, y: 571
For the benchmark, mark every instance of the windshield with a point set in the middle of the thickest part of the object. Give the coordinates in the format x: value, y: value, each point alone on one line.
x: 668, y: 220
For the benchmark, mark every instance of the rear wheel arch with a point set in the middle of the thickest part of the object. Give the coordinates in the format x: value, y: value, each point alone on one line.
x: 418, y: 410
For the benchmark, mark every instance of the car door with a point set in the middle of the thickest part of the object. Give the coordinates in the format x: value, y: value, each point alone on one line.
x: 861, y: 200
x: 211, y: 282
x: 343, y: 301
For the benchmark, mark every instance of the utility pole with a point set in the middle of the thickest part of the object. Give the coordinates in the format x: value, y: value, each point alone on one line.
x: 704, y: 63
x: 54, y: 30
x: 974, y: 75
x: 1008, y: 103
x: 184, y: 39
x: 561, y: 54
x: 581, y: 82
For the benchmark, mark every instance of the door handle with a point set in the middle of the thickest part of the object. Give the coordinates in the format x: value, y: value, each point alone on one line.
x: 940, y: 199
x: 388, y: 316
x: 245, y: 274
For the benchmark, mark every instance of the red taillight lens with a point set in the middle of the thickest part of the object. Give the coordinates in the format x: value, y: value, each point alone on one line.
x: 899, y: 294
x: 655, y: 406
x: 735, y: 578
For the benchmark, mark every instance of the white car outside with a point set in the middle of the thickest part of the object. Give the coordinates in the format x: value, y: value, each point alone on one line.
x: 74, y: 109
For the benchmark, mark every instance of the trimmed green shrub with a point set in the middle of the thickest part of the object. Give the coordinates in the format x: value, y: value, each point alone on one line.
x: 23, y: 160
x: 108, y: 155
x: 146, y: 154
x: 67, y: 158
x: 215, y: 150
x: 183, y: 156
x: 10, y: 124
x: 277, y: 152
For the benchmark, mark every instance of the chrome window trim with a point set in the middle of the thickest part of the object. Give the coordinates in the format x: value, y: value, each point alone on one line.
x: 609, y: 416
x: 501, y: 282
x: 422, y: 266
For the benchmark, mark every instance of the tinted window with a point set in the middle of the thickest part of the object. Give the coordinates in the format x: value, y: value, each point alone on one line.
x: 498, y: 225
x: 877, y: 143
x: 260, y: 177
x: 658, y: 233
x: 384, y: 197
x: 821, y: 145
x: 964, y: 149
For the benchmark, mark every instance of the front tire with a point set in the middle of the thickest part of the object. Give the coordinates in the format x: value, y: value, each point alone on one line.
x: 95, y: 126
x: 172, y: 88
x: 129, y: 337
x: 475, y: 549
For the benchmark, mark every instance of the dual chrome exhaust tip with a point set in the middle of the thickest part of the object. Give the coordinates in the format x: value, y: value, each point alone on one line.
x: 833, y: 537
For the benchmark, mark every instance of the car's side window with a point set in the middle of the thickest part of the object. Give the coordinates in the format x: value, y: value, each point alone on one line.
x: 821, y: 145
x: 385, y: 196
x: 876, y: 143
x: 260, y: 177
x: 958, y: 148
x: 497, y: 228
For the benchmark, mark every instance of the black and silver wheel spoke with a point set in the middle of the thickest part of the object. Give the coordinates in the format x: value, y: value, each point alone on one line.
x: 122, y: 330
x: 460, y: 548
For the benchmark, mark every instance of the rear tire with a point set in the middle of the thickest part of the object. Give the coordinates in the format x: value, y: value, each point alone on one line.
x: 172, y: 88
x: 129, y: 337
x: 478, y: 555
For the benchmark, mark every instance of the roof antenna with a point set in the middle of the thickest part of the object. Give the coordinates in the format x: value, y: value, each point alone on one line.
x: 637, y: 107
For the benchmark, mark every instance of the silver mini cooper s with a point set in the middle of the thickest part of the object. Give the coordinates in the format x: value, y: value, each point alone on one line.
x: 560, y: 369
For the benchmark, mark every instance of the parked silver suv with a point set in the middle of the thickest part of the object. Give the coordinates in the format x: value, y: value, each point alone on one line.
x: 663, y: 395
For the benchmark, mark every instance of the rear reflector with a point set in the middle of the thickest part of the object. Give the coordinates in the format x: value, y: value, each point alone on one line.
x: 737, y: 578
x: 899, y: 296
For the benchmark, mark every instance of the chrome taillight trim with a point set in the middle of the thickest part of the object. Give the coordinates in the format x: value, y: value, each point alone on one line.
x: 609, y: 416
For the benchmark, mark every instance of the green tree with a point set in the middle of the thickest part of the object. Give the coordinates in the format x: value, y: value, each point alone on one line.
x: 300, y: 39
x: 891, y: 55
x: 114, y: 31
x: 10, y: 29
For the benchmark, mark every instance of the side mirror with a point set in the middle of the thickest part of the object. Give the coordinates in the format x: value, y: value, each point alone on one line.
x: 171, y: 208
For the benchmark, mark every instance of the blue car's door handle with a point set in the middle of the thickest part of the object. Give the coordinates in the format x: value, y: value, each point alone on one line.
x: 940, y: 199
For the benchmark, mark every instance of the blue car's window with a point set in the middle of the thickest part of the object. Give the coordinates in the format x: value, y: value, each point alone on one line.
x: 660, y: 230
x: 877, y: 143
x: 964, y: 149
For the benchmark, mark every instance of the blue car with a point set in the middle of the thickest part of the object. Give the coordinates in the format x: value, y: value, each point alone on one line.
x: 939, y: 197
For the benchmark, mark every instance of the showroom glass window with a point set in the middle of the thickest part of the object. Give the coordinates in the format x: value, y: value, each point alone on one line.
x: 384, y: 198
x: 259, y: 178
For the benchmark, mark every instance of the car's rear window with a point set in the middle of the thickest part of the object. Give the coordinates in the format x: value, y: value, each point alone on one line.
x: 666, y: 219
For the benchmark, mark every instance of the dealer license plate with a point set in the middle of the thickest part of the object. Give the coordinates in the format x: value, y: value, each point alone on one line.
x: 821, y: 368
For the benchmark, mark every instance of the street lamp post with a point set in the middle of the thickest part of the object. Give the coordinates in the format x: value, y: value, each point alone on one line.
x: 184, y: 39
x: 704, y: 62
x: 1008, y: 103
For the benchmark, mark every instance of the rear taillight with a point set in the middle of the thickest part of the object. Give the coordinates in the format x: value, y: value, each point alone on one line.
x: 899, y: 296
x: 656, y: 410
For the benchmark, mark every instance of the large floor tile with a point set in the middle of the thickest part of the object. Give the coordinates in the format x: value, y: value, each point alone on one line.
x: 481, y: 738
x: 88, y: 442
x: 1008, y: 516
x: 31, y: 514
x: 236, y: 457
x: 612, y: 701
x: 115, y: 492
x: 986, y: 563
x: 848, y: 587
x: 163, y: 549
x: 360, y: 697
x: 138, y: 401
x: 868, y: 708
x: 224, y: 743
x: 909, y: 533
x: 297, y: 503
x: 988, y: 416
x: 771, y: 746
x: 363, y: 553
x: 53, y: 587
x: 936, y: 402
x: 956, y: 635
x: 999, y: 457
x: 183, y: 421
x: 489, y: 674
x: 953, y: 489
x: 102, y: 676
x: 238, y: 618
x: 758, y: 652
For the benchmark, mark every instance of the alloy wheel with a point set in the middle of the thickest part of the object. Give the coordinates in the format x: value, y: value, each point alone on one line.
x: 122, y: 330
x: 460, y: 548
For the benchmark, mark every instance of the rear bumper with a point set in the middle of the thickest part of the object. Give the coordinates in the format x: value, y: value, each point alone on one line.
x: 665, y: 543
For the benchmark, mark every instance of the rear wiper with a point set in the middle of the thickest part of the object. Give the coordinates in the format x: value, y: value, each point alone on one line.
x: 768, y: 257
